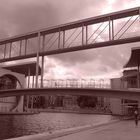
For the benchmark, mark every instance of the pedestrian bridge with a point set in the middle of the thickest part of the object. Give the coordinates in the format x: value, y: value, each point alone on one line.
x: 133, y: 94
x: 91, y: 33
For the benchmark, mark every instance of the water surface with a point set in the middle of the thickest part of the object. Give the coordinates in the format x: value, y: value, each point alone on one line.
x: 19, y: 125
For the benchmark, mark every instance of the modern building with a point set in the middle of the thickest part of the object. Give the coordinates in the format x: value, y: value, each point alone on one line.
x: 14, y: 77
x: 130, y: 79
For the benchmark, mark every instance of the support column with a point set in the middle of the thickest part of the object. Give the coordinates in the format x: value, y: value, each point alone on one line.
x: 27, y: 102
x: 33, y: 82
x: 138, y: 76
x: 29, y: 73
x: 42, y: 65
x: 109, y: 29
x: 37, y: 63
x: 32, y: 102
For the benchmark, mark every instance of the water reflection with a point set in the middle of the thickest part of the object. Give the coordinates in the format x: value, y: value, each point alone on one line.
x: 19, y: 125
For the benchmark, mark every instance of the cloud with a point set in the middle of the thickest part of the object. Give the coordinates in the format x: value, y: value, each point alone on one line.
x: 28, y: 15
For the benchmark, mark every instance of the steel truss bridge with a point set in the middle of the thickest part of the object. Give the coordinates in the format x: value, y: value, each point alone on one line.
x: 101, y: 31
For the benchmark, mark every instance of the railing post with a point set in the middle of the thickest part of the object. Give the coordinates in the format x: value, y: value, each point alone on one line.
x: 5, y: 51
x: 59, y: 39
x: 112, y: 29
x: 10, y: 49
x: 109, y: 29
x: 86, y: 34
x: 82, y: 35
x: 20, y: 48
x: 63, y: 39
x: 25, y: 46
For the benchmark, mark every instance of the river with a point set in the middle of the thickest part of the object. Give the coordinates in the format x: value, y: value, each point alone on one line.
x: 19, y: 125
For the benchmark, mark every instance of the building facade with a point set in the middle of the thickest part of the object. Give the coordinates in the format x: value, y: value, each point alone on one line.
x: 130, y: 79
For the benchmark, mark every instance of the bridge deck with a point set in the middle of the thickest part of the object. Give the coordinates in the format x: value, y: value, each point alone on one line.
x: 133, y: 94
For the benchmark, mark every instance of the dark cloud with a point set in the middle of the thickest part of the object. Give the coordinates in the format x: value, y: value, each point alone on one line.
x: 28, y: 15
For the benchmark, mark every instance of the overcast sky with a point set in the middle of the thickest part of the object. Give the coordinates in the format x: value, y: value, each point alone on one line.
x: 21, y: 16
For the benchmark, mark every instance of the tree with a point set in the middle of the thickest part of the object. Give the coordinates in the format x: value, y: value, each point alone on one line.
x: 86, y: 101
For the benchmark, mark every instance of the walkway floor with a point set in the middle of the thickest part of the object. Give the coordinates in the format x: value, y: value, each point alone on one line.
x: 124, y: 130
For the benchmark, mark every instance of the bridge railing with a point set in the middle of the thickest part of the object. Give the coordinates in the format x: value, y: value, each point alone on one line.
x: 77, y: 83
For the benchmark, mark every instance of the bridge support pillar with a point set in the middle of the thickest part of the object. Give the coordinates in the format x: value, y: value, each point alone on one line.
x: 19, y: 107
x: 139, y: 103
x: 116, y: 106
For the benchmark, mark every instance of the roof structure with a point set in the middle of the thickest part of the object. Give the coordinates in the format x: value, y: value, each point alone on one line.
x: 23, y: 68
x: 130, y: 73
x: 134, y: 60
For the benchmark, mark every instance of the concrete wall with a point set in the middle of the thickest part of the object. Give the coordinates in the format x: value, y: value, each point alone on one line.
x: 6, y: 106
x: 116, y: 106
x: 116, y: 83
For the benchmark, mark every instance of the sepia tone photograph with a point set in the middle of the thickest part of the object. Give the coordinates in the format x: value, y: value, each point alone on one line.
x: 69, y: 70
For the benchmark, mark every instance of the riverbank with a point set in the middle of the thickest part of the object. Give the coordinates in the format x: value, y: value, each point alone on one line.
x: 13, y: 126
x: 18, y: 113
x: 78, y: 111
x: 64, y: 132
x: 123, y: 130
x: 115, y: 130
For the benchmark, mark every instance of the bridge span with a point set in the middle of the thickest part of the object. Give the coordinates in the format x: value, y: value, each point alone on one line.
x: 101, y: 31
x: 90, y: 33
x: 131, y: 94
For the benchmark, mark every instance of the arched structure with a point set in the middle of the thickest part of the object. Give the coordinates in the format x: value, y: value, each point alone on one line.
x: 11, y: 80
x: 16, y: 76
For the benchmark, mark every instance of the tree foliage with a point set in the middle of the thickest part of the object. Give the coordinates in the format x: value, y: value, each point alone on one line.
x: 86, y: 101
